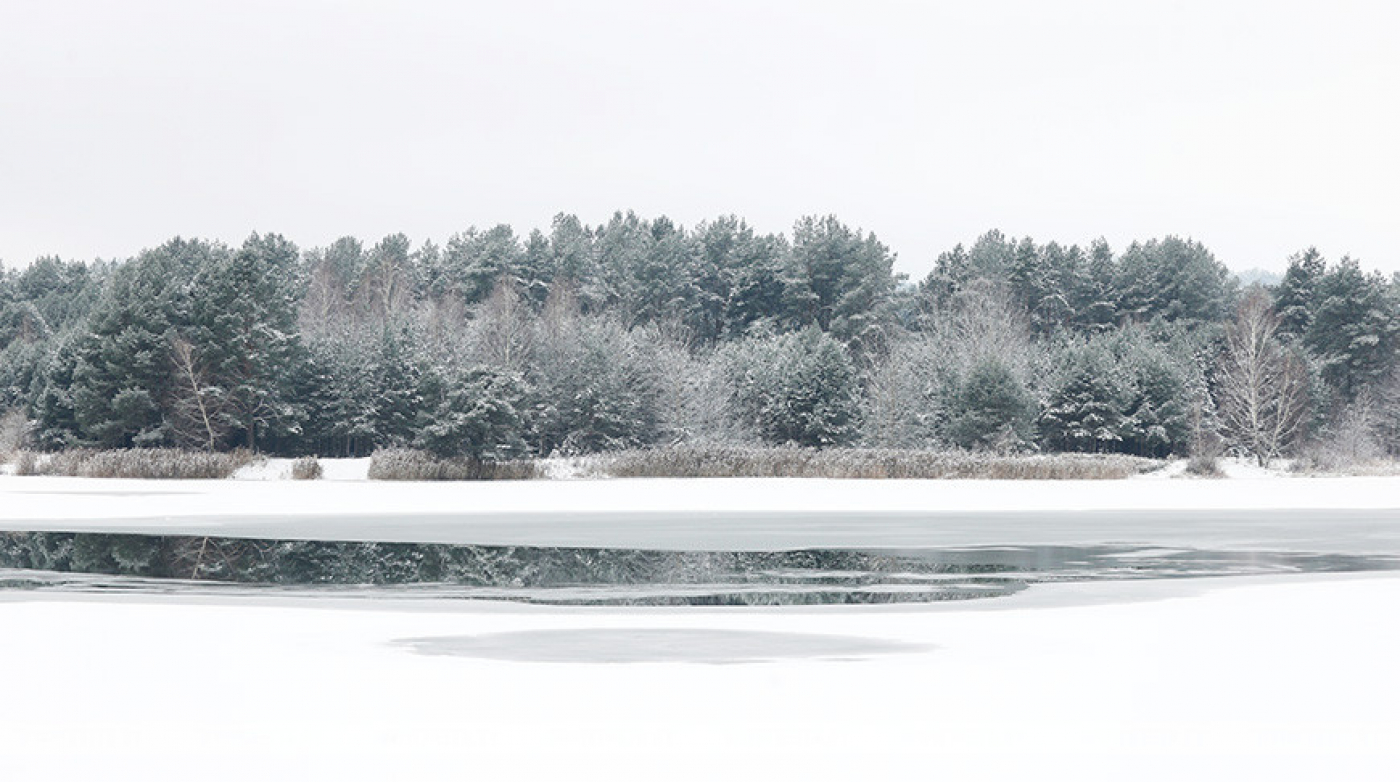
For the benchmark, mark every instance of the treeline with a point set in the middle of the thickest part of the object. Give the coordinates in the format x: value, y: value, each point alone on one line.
x: 642, y: 332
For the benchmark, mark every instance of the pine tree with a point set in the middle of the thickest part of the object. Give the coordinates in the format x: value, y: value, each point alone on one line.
x: 1295, y: 299
x: 1156, y: 406
x: 243, y: 333
x: 1084, y: 408
x: 476, y: 414
x: 473, y: 263
x: 52, y: 409
x: 1093, y: 295
x: 1173, y: 279
x: 574, y: 261
x: 992, y: 409
x: 1355, y: 329
x: 736, y: 280
x: 840, y: 280
x: 122, y: 383
x: 951, y: 273
x: 536, y: 269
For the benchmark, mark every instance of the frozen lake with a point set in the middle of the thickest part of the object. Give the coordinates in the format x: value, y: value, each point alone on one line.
x: 689, y: 542
x: 233, y: 567
x: 1277, y: 677
x: 1318, y: 515
x: 1170, y: 630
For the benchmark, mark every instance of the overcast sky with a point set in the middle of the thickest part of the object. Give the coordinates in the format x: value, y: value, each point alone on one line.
x: 1256, y: 127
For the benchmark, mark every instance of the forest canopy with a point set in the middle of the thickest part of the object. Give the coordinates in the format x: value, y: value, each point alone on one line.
x: 642, y: 332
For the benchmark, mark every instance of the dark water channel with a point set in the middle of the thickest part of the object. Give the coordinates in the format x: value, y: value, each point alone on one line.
x: 92, y: 562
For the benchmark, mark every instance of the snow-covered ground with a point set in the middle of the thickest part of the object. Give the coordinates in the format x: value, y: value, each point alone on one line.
x: 1245, y: 678
x: 276, y: 469
x: 1343, y: 515
x: 1280, y: 677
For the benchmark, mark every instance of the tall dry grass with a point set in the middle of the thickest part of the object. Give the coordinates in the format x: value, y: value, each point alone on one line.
x: 134, y: 463
x: 403, y: 464
x: 681, y: 461
x: 857, y: 463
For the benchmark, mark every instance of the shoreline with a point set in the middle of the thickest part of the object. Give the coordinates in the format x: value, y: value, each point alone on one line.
x: 1342, y: 514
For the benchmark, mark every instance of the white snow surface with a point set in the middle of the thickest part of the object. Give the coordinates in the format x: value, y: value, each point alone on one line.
x: 279, y: 469
x: 1277, y: 677
x: 1281, y: 678
x: 1346, y: 515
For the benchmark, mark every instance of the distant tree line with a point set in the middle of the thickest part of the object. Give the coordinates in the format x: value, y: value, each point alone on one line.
x: 640, y: 332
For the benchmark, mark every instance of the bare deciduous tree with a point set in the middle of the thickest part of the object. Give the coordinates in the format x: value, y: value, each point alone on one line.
x: 1262, y: 393
x: 324, y: 304
x: 14, y: 431
x: 910, y: 393
x: 503, y: 327
x: 695, y: 400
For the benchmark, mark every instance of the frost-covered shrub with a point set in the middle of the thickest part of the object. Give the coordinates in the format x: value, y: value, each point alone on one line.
x: 695, y: 397
x: 595, y: 387
x: 1204, y: 466
x: 307, y: 468
x: 969, y: 380
x: 798, y: 388
x: 1350, y: 444
x: 907, y: 399
x: 27, y: 463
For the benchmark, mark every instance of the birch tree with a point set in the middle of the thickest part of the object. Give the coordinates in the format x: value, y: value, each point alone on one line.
x: 1262, y: 391
x: 197, y: 407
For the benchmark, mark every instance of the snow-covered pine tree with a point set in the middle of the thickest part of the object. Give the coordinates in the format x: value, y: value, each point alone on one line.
x: 122, y: 381
x: 797, y: 388
x: 243, y: 329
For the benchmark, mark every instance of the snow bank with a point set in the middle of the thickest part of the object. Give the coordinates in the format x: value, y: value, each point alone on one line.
x: 1280, y: 679
x: 275, y: 469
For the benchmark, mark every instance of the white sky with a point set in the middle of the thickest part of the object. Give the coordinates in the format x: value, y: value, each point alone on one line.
x: 1256, y: 127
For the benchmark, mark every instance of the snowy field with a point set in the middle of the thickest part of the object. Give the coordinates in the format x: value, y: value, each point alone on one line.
x: 1252, y: 510
x: 1274, y: 677
x: 1243, y: 678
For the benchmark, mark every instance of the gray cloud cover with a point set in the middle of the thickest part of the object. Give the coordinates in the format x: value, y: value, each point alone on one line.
x: 1256, y: 127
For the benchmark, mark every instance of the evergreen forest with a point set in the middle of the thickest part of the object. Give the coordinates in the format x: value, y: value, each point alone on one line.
x: 642, y: 332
